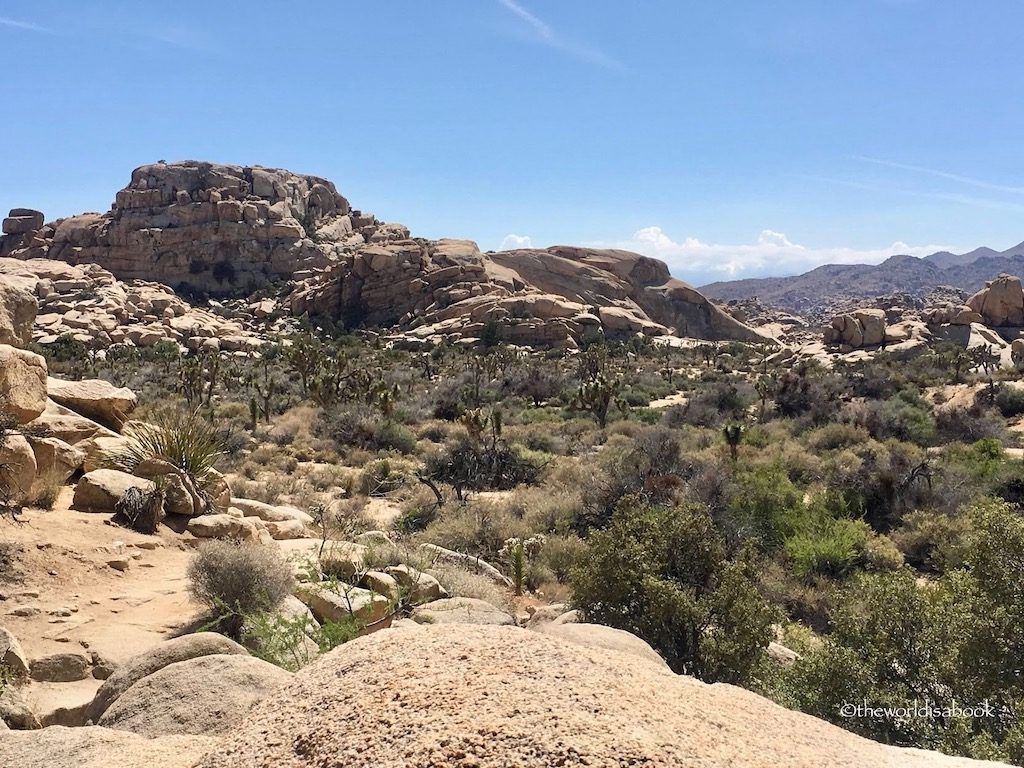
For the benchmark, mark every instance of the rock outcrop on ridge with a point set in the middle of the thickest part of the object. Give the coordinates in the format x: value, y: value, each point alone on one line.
x: 210, y: 230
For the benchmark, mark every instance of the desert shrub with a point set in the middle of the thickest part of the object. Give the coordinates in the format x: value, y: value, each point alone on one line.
x: 141, y: 510
x: 389, y: 436
x: 830, y: 548
x: 835, y: 436
x: 238, y: 580
x: 932, y: 541
x: 561, y: 553
x: 960, y: 640
x: 881, y: 481
x: 46, y: 489
x: 765, y: 506
x: 478, y: 528
x: 880, y: 553
x: 538, y: 383
x: 650, y: 467
x: 418, y: 511
x: 661, y: 573
x: 287, y: 641
x: 350, y: 425
x: 712, y: 406
x: 806, y: 600
x: 1010, y: 401
x: 968, y: 425
x: 381, y: 477
x: 448, y: 404
x: 462, y: 583
x: 182, y: 439
x: 469, y: 465
x: 904, y: 417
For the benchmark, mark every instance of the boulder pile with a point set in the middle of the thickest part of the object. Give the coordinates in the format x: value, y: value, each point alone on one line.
x: 204, y: 229
x: 1000, y: 302
x: 860, y: 328
x: 87, y: 304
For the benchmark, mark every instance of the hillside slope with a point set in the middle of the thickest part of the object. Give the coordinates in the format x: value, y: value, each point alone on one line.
x: 814, y: 291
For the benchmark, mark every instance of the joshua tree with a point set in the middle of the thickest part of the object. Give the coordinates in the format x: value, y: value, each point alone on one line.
x: 598, y: 395
x: 305, y: 356
x: 765, y: 388
x: 733, y: 434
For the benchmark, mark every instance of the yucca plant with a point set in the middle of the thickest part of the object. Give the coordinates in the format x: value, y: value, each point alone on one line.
x: 183, y: 440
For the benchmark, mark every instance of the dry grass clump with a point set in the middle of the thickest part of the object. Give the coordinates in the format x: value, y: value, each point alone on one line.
x: 46, y: 489
x: 235, y: 580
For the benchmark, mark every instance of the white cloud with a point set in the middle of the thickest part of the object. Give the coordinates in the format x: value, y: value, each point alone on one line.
x: 512, y: 242
x: 26, y: 25
x: 771, y: 237
x: 773, y: 253
x: 545, y: 35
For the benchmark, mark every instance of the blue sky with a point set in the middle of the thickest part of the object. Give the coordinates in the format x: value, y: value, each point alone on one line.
x: 731, y: 139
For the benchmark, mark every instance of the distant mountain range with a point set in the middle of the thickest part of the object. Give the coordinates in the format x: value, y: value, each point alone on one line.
x: 815, y: 291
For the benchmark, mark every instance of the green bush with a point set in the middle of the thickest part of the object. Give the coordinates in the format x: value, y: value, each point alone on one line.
x: 662, y: 573
x: 957, y: 640
x: 394, y: 437
x: 832, y: 549
x: 765, y: 507
x: 1010, y: 401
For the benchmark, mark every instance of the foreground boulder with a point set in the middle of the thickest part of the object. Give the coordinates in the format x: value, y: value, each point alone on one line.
x: 17, y: 466
x: 13, y: 662
x: 57, y: 747
x: 367, y: 608
x: 223, y: 527
x: 208, y: 695
x: 502, y: 696
x: 100, y: 490
x: 600, y: 636
x: 18, y: 306
x: 95, y: 399
x: 55, y: 459
x: 174, y: 650
x: 22, y: 383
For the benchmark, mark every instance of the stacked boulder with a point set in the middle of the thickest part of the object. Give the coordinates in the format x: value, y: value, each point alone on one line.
x: 56, y: 425
x: 858, y: 329
x: 1000, y: 303
x: 951, y: 314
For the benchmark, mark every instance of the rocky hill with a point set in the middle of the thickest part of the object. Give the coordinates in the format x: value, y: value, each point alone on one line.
x: 816, y: 291
x: 210, y: 230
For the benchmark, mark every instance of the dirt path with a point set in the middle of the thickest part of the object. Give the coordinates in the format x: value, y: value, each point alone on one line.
x: 69, y: 598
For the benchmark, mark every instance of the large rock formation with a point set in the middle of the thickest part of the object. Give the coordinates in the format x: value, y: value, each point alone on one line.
x: 223, y: 230
x: 1000, y: 302
x: 209, y: 227
x: 860, y: 328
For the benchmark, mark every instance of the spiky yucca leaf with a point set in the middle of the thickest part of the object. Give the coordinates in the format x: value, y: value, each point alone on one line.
x: 183, y: 440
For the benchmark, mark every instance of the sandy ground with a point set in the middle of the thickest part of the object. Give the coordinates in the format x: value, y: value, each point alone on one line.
x: 67, y: 598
